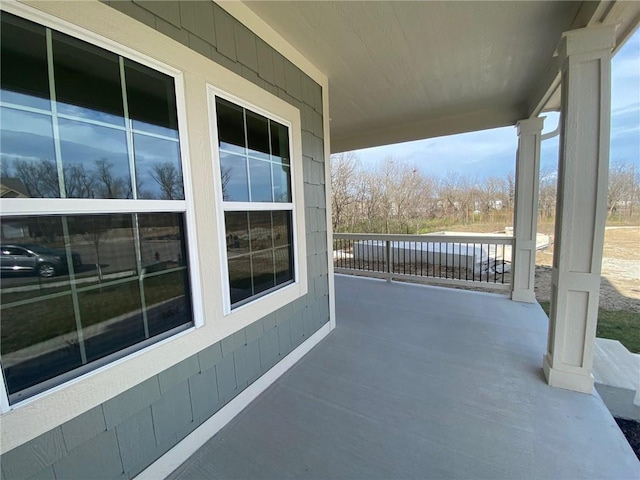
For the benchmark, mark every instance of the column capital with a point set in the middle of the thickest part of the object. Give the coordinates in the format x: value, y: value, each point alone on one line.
x: 530, y: 126
x: 587, y: 40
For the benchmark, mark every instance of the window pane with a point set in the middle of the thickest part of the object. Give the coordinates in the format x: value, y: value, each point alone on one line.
x: 27, y: 154
x: 260, y: 231
x: 281, y: 183
x: 235, y: 187
x: 45, y: 257
x: 158, y: 168
x: 111, y: 318
x: 23, y: 57
x: 237, y: 229
x: 282, y: 231
x: 240, y: 278
x: 52, y: 325
x: 39, y: 340
x: 230, y: 126
x: 260, y: 172
x: 162, y: 241
x: 151, y: 99
x: 257, y: 135
x: 95, y: 160
x: 167, y: 300
x: 284, y: 264
x: 279, y: 143
x: 263, y: 275
x: 104, y: 246
x: 87, y: 80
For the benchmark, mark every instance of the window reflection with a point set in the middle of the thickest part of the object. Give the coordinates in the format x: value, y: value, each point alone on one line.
x: 107, y: 325
x: 105, y: 244
x: 237, y: 228
x: 283, y: 264
x: 39, y: 340
x: 259, y: 252
x: 158, y: 168
x: 262, y: 271
x: 94, y: 158
x: 231, y: 131
x: 279, y: 143
x: 151, y: 100
x: 240, y: 285
x: 257, y: 135
x: 266, y: 155
x: 235, y: 186
x: 24, y: 80
x: 27, y: 154
x: 95, y: 161
x: 161, y: 241
x: 281, y: 183
x: 261, y: 232
x: 77, y: 289
x: 167, y: 301
x: 87, y: 80
x: 260, y: 181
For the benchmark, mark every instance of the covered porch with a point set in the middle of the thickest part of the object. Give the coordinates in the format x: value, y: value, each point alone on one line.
x: 420, y: 382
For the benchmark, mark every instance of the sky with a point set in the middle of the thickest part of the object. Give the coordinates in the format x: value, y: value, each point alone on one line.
x: 492, y: 152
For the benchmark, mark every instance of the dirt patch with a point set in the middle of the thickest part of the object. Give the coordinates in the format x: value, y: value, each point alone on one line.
x: 631, y: 430
x: 620, y: 281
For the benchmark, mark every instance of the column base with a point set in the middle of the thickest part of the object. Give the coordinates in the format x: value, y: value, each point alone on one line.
x: 567, y: 380
x: 524, y: 296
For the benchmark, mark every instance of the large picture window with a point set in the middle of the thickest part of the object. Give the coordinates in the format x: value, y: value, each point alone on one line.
x: 94, y: 258
x: 255, y: 173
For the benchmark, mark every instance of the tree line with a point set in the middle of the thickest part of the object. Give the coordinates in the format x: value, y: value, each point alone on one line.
x: 394, y: 196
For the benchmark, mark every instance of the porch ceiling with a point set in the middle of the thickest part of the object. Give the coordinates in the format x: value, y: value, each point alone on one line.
x: 402, y: 71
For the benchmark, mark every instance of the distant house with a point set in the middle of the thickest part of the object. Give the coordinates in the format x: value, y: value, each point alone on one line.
x: 13, y: 188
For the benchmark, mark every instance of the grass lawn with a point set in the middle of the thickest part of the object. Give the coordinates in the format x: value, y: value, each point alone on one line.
x: 621, y: 325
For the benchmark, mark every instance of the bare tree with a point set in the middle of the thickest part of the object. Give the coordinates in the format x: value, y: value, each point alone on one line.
x: 623, y: 188
x: 343, y: 170
x: 109, y: 186
x: 39, y: 178
x: 168, y: 177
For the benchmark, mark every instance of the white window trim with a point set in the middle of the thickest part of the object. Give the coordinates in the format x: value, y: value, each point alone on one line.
x: 281, y: 295
x: 73, y: 206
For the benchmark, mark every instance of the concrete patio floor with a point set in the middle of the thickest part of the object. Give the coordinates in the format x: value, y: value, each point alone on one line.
x: 420, y: 382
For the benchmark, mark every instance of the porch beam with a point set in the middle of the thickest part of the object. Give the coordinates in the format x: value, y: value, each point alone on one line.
x: 585, y: 56
x: 526, y: 212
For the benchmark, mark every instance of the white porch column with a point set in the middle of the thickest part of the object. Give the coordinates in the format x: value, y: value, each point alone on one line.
x: 581, y: 206
x: 526, y: 211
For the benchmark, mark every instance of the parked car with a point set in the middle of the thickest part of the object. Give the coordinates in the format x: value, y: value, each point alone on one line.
x: 35, y: 259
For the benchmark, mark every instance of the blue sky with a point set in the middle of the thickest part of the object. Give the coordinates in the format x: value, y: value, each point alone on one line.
x: 492, y: 152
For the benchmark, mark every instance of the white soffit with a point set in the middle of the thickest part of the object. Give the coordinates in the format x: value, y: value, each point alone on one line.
x: 402, y: 71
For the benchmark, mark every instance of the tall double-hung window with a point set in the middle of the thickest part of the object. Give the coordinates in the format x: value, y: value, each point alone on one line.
x: 255, y: 174
x: 94, y: 261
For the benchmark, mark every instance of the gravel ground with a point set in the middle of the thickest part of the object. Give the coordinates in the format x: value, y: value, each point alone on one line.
x: 620, y: 282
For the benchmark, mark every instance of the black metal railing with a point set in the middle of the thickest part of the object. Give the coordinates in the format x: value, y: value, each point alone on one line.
x: 444, y: 258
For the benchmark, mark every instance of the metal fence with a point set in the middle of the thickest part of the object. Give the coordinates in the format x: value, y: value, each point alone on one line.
x: 444, y: 258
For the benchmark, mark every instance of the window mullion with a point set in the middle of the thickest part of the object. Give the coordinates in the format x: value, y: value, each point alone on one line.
x: 138, y: 247
x: 273, y: 197
x: 74, y: 290
x: 128, y: 130
x: 246, y: 151
x: 54, y: 114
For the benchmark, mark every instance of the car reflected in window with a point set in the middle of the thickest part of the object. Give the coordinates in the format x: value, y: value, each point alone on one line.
x: 35, y: 259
